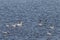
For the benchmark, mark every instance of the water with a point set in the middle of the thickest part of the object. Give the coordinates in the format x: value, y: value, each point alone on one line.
x: 31, y: 13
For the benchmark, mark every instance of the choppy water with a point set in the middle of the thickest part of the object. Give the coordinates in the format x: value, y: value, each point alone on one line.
x: 40, y: 19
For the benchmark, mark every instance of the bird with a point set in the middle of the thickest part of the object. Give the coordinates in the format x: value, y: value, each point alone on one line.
x: 40, y: 24
x: 14, y: 25
x: 19, y: 24
x: 51, y: 27
x: 49, y: 33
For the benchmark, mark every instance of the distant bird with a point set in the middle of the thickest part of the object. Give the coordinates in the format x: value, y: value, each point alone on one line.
x: 51, y: 27
x: 19, y: 24
x: 14, y: 25
x: 7, y: 25
x: 40, y: 24
x: 5, y: 32
x: 49, y: 33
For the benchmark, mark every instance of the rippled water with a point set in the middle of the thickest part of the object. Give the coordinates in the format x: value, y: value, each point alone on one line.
x: 29, y: 19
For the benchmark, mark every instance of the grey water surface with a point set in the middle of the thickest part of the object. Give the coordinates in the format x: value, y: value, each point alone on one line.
x: 30, y: 13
